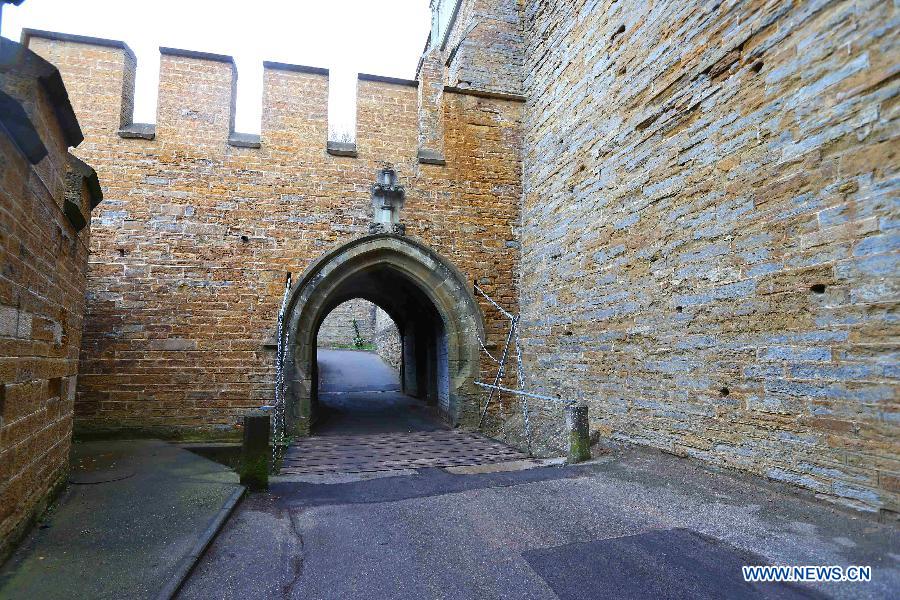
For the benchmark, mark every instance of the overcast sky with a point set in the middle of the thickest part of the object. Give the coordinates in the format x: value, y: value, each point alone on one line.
x: 383, y: 37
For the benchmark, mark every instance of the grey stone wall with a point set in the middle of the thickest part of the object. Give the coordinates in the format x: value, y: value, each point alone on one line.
x: 337, y: 330
x: 387, y: 339
x: 483, y: 50
x: 709, y: 236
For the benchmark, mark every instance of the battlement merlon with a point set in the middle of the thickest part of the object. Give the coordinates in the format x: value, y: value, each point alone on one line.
x: 294, y: 109
x: 98, y: 74
x: 197, y: 92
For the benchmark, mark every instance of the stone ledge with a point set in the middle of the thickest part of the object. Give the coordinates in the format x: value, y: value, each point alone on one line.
x: 90, y: 179
x: 430, y: 157
x: 166, y: 51
x: 278, y: 66
x: 244, y: 140
x: 138, y: 131
x: 392, y: 80
x: 341, y: 149
x: 484, y: 93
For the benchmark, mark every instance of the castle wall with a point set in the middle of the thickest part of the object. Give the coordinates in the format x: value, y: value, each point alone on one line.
x: 45, y: 200
x: 191, y: 250
x: 349, y: 321
x: 388, y: 343
x: 484, y: 48
x: 709, y: 249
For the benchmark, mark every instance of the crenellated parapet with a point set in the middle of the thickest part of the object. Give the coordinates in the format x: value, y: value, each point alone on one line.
x: 196, y: 103
x: 197, y: 92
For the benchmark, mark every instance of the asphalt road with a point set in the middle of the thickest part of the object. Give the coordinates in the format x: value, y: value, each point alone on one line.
x: 359, y: 394
x: 635, y: 524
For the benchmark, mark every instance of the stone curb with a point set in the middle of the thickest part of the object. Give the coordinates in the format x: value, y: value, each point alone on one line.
x: 186, y: 566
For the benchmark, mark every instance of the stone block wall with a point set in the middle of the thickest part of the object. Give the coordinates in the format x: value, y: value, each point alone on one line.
x: 709, y: 242
x: 338, y: 330
x: 387, y: 339
x: 45, y: 201
x: 483, y: 49
x: 190, y: 252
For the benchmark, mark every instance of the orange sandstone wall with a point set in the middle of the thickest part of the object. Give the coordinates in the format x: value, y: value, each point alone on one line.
x: 191, y: 250
x: 44, y: 204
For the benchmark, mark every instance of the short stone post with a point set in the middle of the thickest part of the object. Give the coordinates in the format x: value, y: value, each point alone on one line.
x: 255, y: 451
x: 579, y: 435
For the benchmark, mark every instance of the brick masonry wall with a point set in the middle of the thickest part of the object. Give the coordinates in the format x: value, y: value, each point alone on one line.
x: 42, y: 289
x: 387, y: 339
x: 337, y: 330
x: 190, y: 252
x: 709, y: 232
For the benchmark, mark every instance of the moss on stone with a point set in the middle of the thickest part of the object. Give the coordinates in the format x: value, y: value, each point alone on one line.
x: 254, y: 471
x: 579, y: 447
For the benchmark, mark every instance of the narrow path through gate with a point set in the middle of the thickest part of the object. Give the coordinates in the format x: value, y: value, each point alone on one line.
x: 393, y: 451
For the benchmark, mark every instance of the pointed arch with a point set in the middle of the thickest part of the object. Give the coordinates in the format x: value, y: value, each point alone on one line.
x: 428, y: 298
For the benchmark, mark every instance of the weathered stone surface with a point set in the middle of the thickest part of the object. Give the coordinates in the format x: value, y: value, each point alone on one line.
x: 387, y: 339
x: 708, y: 237
x: 349, y: 325
x: 44, y: 201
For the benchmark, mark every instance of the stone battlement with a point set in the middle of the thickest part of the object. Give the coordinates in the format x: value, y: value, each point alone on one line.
x: 197, y: 92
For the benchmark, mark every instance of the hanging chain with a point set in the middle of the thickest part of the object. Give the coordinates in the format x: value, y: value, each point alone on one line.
x: 278, y: 436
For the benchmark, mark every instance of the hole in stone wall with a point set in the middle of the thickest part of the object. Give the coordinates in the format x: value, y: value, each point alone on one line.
x: 622, y: 70
x: 245, y: 239
x: 817, y: 288
x: 55, y: 388
x: 757, y: 66
x: 679, y: 309
x: 724, y: 392
x: 567, y: 332
x: 619, y: 31
x: 121, y: 251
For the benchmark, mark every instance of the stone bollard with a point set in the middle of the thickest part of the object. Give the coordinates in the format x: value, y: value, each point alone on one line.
x: 255, y: 451
x: 579, y: 435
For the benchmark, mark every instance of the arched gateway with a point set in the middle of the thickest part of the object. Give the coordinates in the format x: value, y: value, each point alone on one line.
x: 427, y: 297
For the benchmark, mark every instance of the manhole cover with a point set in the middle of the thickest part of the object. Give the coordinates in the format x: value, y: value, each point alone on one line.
x: 98, y: 468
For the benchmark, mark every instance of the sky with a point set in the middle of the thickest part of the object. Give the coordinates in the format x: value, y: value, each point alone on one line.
x: 381, y: 37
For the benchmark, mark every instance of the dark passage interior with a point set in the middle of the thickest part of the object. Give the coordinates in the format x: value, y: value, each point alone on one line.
x: 357, y: 392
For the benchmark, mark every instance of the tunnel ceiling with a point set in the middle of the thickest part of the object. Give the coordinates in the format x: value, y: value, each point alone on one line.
x: 400, y: 297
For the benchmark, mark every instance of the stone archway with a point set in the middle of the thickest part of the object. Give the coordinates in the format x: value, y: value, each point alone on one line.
x: 426, y: 296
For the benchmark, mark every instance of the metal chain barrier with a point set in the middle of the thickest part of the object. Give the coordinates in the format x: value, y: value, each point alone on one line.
x: 512, y: 337
x: 278, y: 437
